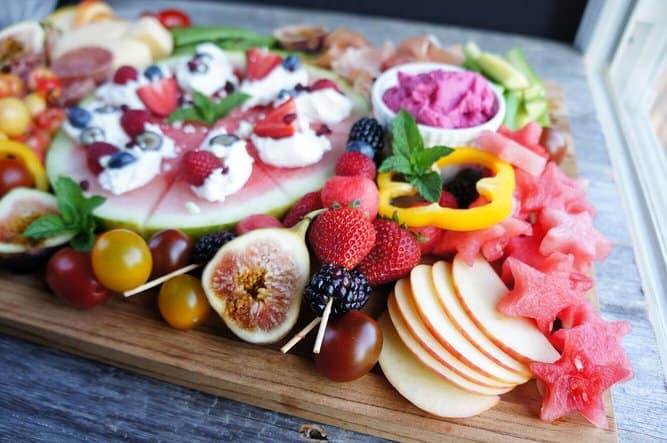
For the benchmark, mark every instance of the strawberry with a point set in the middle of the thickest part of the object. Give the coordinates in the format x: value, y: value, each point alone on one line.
x: 96, y: 151
x: 260, y: 62
x: 355, y: 163
x: 306, y: 204
x: 351, y: 190
x: 341, y: 236
x: 279, y: 122
x: 395, y: 253
x: 256, y: 221
x: 160, y: 97
x: 197, y: 165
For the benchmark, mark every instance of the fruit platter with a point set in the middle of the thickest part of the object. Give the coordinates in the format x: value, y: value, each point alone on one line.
x: 387, y: 239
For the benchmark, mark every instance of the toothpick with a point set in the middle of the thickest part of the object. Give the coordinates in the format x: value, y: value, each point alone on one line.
x: 300, y: 335
x: 323, y: 326
x: 160, y: 280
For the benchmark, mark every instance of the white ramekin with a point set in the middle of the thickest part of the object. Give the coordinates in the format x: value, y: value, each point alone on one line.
x: 432, y: 135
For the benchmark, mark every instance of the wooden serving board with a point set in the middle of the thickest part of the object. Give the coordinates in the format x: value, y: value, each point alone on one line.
x: 130, y: 334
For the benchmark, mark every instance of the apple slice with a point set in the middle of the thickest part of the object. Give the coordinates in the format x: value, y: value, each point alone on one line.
x: 431, y: 325
x: 479, y: 289
x: 149, y: 30
x: 429, y: 361
x: 441, y: 272
x: 420, y: 386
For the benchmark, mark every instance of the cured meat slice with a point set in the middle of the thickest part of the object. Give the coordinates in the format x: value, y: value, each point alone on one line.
x: 91, y: 62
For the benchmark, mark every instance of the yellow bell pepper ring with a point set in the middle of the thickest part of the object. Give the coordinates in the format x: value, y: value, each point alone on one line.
x: 497, y: 189
x: 10, y: 148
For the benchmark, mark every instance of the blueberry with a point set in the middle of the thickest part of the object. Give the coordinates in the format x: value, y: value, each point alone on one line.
x: 79, y: 117
x: 291, y: 63
x: 153, y: 72
x: 224, y: 140
x: 121, y: 159
x: 284, y: 94
x: 149, y: 141
x: 106, y: 109
x: 360, y: 146
x: 91, y: 135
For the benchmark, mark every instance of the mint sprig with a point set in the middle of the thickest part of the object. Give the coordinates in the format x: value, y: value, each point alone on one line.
x: 412, y: 159
x: 206, y: 110
x: 75, y: 218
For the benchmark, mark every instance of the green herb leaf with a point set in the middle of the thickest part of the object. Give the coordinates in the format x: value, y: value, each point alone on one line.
x: 75, y: 218
x: 412, y: 159
x: 206, y: 110
x: 396, y: 163
x: 45, y: 227
x: 429, y: 185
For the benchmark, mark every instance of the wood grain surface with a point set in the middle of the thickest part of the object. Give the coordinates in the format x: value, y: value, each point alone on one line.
x: 49, y: 395
x: 128, y: 333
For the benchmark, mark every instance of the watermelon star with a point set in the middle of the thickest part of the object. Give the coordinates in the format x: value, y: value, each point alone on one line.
x: 538, y: 295
x: 592, y: 361
x: 553, y: 189
x: 573, y: 234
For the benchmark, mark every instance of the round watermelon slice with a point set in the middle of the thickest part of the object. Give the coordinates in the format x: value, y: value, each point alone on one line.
x: 167, y: 201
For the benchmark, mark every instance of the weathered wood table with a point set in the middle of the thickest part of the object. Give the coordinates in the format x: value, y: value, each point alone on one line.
x: 47, y: 395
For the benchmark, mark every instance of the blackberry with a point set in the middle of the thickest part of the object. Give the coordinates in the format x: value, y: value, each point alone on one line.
x: 463, y: 186
x: 370, y: 131
x: 206, y: 247
x: 350, y: 290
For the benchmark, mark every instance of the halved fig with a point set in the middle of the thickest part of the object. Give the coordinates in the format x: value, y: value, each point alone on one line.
x: 300, y: 37
x: 18, y: 208
x: 256, y: 281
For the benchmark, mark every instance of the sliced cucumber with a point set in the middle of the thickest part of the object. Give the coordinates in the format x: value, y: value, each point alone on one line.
x: 501, y: 71
x: 536, y: 107
x: 512, y: 105
x: 516, y: 58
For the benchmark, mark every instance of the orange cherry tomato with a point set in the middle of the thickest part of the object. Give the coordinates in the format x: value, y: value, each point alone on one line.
x: 121, y: 260
x: 183, y: 303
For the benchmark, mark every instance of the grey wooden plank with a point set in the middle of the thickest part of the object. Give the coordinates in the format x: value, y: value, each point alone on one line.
x: 47, y: 395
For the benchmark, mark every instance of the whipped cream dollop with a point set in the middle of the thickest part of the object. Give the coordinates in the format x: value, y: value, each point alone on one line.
x: 263, y: 91
x: 236, y: 170
x: 207, y: 71
x: 303, y: 148
x: 103, y: 125
x: 323, y: 105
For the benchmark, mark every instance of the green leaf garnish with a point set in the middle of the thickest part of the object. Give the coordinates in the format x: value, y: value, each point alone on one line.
x: 75, y: 218
x: 412, y: 159
x: 207, y: 111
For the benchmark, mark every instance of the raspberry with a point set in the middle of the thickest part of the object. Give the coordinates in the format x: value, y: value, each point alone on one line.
x: 448, y: 200
x: 350, y: 290
x: 351, y: 164
x: 207, y: 246
x: 256, y: 221
x: 124, y: 74
x: 197, y: 165
x: 370, y: 131
x: 133, y: 121
x: 308, y: 203
x: 96, y: 151
x: 324, y: 83
x: 352, y: 190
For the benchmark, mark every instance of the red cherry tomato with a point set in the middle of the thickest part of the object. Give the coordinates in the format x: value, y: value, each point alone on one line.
x: 45, y: 82
x: 170, y: 250
x: 38, y: 140
x: 351, y: 347
x: 69, y: 274
x: 14, y: 174
x: 173, y: 18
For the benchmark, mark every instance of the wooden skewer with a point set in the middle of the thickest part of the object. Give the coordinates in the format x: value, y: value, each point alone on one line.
x: 160, y: 280
x: 323, y: 326
x: 300, y: 335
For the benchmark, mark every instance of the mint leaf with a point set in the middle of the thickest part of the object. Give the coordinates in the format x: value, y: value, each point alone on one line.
x: 204, y: 106
x: 186, y: 113
x: 75, y: 218
x: 45, y: 227
x: 425, y: 159
x: 405, y: 134
x: 224, y: 106
x: 396, y: 163
x: 207, y: 111
x: 429, y: 185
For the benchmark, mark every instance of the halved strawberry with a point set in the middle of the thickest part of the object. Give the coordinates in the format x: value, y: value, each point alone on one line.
x: 260, y: 62
x: 160, y: 97
x: 279, y: 122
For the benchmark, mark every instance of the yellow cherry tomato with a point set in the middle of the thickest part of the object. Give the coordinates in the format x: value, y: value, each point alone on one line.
x: 183, y: 303
x: 35, y: 104
x: 3, y: 136
x: 14, y: 116
x: 121, y: 260
x: 11, y: 85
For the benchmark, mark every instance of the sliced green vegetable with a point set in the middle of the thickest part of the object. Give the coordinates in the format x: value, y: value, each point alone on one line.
x: 501, y: 71
x: 198, y: 34
x: 536, y: 107
x: 516, y: 58
x: 512, y: 105
x: 471, y: 51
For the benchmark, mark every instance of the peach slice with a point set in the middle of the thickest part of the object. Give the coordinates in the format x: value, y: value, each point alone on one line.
x: 441, y: 273
x: 429, y: 361
x: 421, y: 386
x: 432, y: 326
x: 479, y: 289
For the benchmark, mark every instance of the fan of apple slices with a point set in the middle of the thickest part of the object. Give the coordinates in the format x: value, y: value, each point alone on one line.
x: 447, y: 349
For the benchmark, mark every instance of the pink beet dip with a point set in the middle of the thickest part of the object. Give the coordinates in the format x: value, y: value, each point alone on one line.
x: 444, y: 99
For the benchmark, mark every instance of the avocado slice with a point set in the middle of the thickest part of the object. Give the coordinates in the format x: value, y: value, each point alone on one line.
x: 502, y: 71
